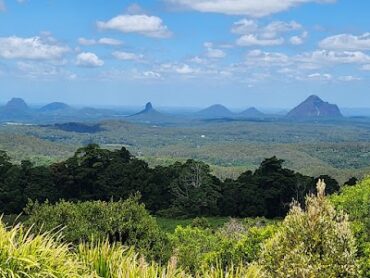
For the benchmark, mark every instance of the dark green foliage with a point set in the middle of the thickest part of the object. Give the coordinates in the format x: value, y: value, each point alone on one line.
x: 183, y: 190
x: 126, y: 222
x: 266, y: 192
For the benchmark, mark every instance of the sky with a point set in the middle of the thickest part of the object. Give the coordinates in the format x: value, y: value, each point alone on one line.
x: 240, y: 53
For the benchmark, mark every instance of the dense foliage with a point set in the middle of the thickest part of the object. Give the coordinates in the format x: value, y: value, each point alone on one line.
x: 316, y: 242
x: 178, y: 190
x: 126, y: 222
x: 355, y: 200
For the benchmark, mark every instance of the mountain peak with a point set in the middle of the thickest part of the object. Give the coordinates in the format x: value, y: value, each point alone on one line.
x: 315, y: 107
x: 16, y: 104
x: 54, y: 106
x: 215, y: 111
x: 148, y: 106
x: 314, y: 98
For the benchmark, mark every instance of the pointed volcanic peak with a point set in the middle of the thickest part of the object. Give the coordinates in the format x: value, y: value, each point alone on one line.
x: 150, y: 115
x: 215, y: 111
x: 148, y: 110
x: 251, y: 112
x: 55, y: 106
x: 315, y: 108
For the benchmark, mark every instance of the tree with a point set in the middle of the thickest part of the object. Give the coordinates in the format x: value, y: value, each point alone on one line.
x: 195, y: 191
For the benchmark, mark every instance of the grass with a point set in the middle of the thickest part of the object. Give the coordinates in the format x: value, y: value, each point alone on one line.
x: 24, y: 254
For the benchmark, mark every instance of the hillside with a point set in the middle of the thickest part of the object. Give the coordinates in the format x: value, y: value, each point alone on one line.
x: 251, y: 112
x: 215, y: 111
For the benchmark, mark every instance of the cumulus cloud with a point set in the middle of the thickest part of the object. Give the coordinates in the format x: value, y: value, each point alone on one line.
x: 185, y: 69
x: 35, y: 48
x: 150, y: 26
x: 102, y: 41
x: 212, y: 52
x: 127, y: 56
x: 268, y: 35
x: 250, y: 40
x: 254, y: 8
x: 298, y: 40
x: 266, y: 58
x: 346, y: 42
x: 88, y: 59
x: 334, y: 57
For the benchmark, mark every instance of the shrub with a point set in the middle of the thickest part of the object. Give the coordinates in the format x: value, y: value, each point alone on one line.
x: 197, y: 249
x: 126, y: 222
x: 355, y: 200
x: 313, y: 243
x: 201, y: 222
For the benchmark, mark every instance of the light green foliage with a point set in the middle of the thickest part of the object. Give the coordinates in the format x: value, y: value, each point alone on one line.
x: 170, y: 224
x: 316, y: 242
x: 124, y: 221
x: 23, y: 255
x: 233, y: 244
x: 355, y: 200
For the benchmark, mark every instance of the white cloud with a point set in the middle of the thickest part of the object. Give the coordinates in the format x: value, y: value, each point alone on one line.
x: 42, y: 70
x: 185, y: 69
x: 275, y: 28
x: 346, y: 42
x: 88, y: 59
x: 271, y: 30
x: 268, y: 35
x: 254, y: 8
x: 334, y: 57
x: 298, y: 40
x: 127, y: 56
x: 244, y: 26
x: 102, y: 41
x: 215, y: 53
x: 260, y: 57
x: 320, y: 76
x: 250, y: 40
x: 84, y: 41
x: 212, y: 52
x: 349, y: 78
x: 109, y: 41
x: 150, y: 26
x: 31, y: 48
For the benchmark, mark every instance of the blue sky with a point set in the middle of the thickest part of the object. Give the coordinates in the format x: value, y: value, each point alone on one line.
x: 240, y: 53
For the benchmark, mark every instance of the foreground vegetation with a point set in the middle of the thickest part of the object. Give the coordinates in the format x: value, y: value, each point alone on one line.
x: 316, y: 241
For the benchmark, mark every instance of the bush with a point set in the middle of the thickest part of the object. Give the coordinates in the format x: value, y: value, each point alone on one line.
x: 23, y: 254
x: 355, y: 200
x: 197, y: 249
x: 201, y: 222
x: 313, y: 243
x: 126, y: 222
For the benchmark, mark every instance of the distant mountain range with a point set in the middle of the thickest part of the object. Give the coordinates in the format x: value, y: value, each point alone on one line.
x: 313, y: 108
